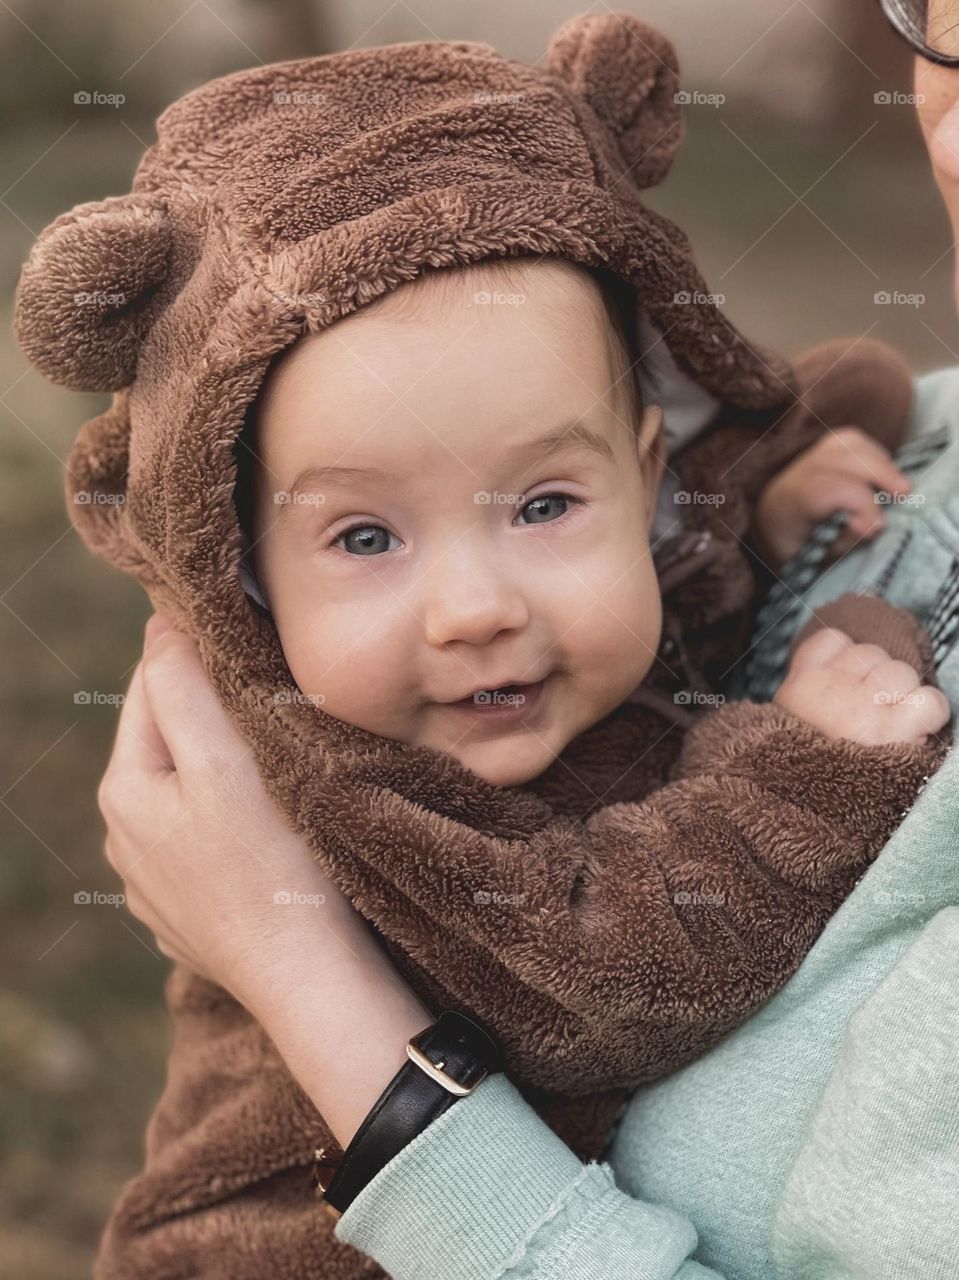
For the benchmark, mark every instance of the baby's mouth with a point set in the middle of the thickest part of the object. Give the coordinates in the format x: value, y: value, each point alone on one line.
x: 512, y: 702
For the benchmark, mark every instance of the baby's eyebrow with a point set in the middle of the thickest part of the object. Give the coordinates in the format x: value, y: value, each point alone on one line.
x: 330, y: 476
x: 566, y: 436
x: 569, y: 435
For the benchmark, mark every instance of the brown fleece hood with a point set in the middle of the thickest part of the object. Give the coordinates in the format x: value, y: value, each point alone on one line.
x: 566, y: 915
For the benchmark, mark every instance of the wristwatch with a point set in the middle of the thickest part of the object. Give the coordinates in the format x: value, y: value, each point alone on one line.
x: 446, y: 1062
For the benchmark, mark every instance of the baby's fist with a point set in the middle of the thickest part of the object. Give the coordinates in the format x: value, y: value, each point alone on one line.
x: 858, y: 691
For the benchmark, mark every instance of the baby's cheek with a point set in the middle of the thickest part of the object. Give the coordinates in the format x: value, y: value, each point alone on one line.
x: 353, y: 664
x: 616, y: 635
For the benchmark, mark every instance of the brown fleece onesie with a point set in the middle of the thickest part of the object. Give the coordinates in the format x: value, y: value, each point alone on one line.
x: 667, y: 874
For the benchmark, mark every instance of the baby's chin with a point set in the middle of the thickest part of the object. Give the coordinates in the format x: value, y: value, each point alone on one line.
x: 502, y: 763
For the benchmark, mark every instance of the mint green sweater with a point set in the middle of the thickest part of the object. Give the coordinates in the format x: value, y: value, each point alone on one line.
x: 818, y: 1141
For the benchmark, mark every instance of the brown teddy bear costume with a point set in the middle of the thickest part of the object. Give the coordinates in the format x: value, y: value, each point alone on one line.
x: 274, y: 202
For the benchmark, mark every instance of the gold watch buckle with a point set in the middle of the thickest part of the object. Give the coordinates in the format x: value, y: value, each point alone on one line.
x: 435, y: 1069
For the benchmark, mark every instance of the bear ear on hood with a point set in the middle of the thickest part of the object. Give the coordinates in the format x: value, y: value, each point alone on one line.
x: 628, y: 73
x: 81, y: 308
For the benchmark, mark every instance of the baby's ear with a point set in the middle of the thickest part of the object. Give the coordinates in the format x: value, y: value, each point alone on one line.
x: 651, y: 451
x: 628, y: 74
x: 82, y: 305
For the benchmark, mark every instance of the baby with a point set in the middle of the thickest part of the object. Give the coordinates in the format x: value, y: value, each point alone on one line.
x: 457, y: 497
x: 453, y: 497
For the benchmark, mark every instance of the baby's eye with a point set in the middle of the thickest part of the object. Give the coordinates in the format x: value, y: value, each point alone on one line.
x: 364, y: 539
x: 542, y: 508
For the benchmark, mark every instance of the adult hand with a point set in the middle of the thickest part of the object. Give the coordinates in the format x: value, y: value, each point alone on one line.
x: 209, y: 864
x: 229, y: 890
x: 844, y: 470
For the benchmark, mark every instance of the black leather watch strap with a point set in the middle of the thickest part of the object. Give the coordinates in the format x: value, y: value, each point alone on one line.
x: 455, y: 1053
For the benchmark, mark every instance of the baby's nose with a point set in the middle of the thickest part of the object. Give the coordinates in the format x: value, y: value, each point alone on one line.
x: 472, y: 606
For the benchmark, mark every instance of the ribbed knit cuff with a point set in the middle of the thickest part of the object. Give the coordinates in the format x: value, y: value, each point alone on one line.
x: 489, y: 1190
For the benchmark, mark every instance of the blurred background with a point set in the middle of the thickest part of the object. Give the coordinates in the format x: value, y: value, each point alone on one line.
x: 804, y: 187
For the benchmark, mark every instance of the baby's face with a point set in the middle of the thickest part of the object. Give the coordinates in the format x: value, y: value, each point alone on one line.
x: 428, y: 542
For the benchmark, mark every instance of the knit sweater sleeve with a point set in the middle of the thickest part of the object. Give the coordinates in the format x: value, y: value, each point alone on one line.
x: 632, y: 941
x: 488, y: 1190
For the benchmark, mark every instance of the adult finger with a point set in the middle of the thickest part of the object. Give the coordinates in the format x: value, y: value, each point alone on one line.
x: 194, y: 724
x: 139, y: 749
x: 859, y: 455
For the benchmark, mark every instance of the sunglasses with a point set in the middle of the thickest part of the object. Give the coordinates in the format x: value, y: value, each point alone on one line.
x: 930, y: 27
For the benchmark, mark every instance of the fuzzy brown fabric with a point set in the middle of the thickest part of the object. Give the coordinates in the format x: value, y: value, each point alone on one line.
x: 667, y: 873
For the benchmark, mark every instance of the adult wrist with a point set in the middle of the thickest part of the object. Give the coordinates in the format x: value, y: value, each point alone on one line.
x: 447, y: 1060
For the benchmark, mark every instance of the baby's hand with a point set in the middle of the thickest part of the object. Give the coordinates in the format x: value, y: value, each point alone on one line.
x: 858, y: 691
x: 842, y: 471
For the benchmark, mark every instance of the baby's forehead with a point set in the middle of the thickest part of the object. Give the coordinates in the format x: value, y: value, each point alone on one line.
x: 497, y: 288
